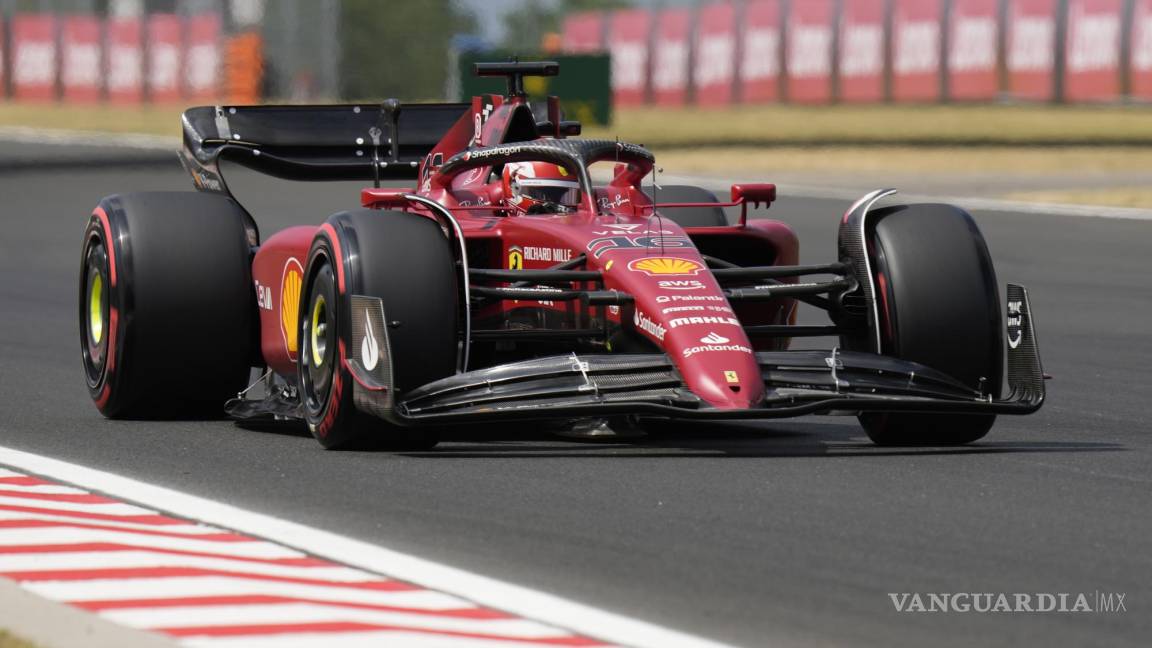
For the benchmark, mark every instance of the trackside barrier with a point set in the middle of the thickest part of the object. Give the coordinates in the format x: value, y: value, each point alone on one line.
x: 862, y: 51
x: 760, y: 52
x: 808, y: 42
x: 157, y: 58
x: 80, y: 72
x: 972, y: 66
x: 34, y: 57
x: 670, y: 57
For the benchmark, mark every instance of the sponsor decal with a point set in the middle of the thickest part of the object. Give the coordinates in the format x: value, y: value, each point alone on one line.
x: 623, y: 229
x: 613, y: 310
x: 263, y: 296
x: 598, y: 246
x: 709, y: 348
x: 642, y: 322
x: 204, y: 180
x: 1015, y: 323
x: 615, y: 202
x: 664, y: 299
x: 369, y: 349
x: 713, y: 338
x: 681, y: 309
x: 540, y: 289
x: 478, y: 120
x: 732, y: 377
x: 492, y: 152
x: 681, y: 284
x: 290, y: 283
x: 720, y: 309
x: 558, y: 255
x: 656, y: 266
x: 515, y: 258
x: 703, y: 319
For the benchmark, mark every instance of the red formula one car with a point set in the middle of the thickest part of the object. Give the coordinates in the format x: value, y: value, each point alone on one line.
x: 529, y: 275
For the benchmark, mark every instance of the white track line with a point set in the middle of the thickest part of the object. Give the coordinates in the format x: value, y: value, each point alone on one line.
x: 140, y: 141
x: 137, y: 141
x: 522, y: 601
x: 968, y: 202
x: 118, y: 589
x: 287, y: 613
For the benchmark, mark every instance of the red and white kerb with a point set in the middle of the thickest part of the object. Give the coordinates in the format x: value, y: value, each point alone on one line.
x: 206, y: 586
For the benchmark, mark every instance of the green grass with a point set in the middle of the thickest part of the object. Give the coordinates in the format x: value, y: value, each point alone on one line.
x: 9, y: 640
x: 742, y: 125
x: 929, y: 124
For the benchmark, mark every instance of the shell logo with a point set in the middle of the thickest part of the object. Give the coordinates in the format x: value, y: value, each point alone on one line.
x: 663, y: 266
x: 290, y: 284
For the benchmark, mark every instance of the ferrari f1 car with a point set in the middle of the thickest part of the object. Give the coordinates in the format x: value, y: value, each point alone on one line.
x: 529, y: 274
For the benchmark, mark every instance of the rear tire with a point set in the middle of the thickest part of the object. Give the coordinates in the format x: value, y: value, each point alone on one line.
x: 405, y: 260
x: 167, y: 310
x: 690, y: 216
x: 939, y: 305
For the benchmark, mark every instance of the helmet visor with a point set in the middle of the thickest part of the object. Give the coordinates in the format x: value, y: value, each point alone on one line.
x: 551, y: 191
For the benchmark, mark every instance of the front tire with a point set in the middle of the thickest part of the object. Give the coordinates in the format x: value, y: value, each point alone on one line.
x: 938, y: 305
x: 405, y: 260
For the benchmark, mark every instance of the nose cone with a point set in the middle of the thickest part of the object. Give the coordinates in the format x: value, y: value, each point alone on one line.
x: 680, y: 307
x: 717, y: 362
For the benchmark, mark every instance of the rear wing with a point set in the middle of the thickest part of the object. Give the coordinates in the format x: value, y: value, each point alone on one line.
x: 332, y: 142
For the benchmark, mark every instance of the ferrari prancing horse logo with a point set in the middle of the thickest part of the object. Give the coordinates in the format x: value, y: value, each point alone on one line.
x: 515, y: 258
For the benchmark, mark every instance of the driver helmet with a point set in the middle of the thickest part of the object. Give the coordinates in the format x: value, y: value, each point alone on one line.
x: 540, y: 188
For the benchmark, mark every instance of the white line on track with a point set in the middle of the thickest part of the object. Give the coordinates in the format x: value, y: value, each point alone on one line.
x: 522, y: 601
x: 967, y: 202
x: 144, y: 142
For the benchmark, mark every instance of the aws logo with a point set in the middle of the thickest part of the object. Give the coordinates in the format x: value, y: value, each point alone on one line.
x: 663, y: 266
x: 291, y: 281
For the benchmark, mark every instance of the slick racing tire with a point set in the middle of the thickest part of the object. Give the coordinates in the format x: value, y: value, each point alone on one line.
x: 405, y: 260
x: 938, y: 305
x: 689, y: 216
x: 167, y: 310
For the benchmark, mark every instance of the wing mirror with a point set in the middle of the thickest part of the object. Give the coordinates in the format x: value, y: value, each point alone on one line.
x: 754, y: 193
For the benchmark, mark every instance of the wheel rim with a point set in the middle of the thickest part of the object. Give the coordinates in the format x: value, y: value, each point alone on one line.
x: 94, y: 310
x: 318, y: 330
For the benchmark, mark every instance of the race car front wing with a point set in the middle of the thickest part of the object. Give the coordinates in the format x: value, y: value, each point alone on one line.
x: 798, y: 382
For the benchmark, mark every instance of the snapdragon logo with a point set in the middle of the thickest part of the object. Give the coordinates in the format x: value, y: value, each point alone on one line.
x: 985, y: 602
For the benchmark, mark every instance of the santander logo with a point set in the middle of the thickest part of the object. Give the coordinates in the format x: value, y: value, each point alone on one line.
x: 713, y: 338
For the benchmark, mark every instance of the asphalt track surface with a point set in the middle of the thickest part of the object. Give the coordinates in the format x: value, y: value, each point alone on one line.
x: 781, y: 533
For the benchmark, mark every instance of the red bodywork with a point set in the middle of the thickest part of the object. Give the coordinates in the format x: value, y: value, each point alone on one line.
x: 679, y: 307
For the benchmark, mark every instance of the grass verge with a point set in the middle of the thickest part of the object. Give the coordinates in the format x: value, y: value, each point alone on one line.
x: 941, y: 160
x: 911, y: 125
x: 9, y: 640
x: 742, y: 125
